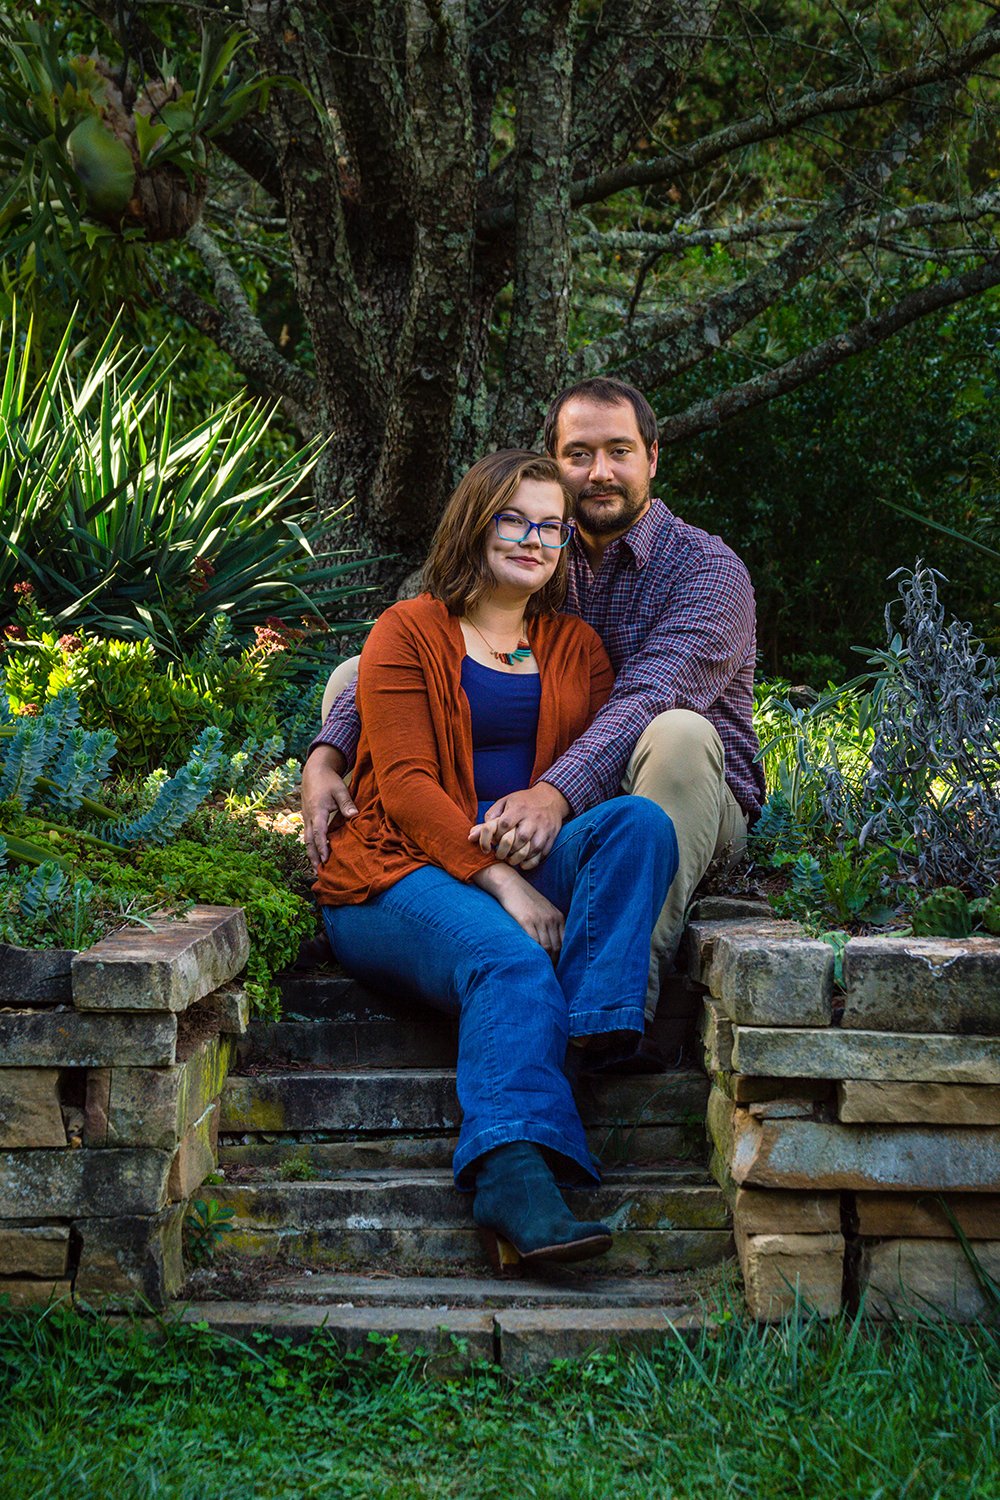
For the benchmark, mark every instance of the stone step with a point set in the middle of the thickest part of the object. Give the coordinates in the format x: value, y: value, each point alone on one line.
x: 559, y: 1286
x: 415, y: 1222
x: 309, y: 1152
x: 521, y: 1340
x: 676, y: 1199
x: 447, y: 1251
x: 332, y: 1021
x: 423, y: 1099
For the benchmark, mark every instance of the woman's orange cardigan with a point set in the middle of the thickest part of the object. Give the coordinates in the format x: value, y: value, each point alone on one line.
x: 413, y: 783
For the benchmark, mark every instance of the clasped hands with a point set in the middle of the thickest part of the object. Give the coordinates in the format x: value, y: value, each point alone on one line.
x: 521, y: 828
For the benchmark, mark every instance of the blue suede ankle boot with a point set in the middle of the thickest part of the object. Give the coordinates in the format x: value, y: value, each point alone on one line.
x: 522, y: 1214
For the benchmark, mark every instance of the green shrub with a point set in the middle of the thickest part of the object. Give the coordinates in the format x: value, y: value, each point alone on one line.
x: 154, y: 705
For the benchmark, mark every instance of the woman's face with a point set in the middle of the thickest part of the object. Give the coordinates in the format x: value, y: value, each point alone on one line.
x: 522, y: 568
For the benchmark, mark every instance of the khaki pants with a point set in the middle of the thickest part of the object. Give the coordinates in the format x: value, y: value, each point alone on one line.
x: 679, y: 763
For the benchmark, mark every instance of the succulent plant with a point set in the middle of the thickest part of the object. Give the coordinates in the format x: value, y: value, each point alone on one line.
x: 987, y: 911
x: 944, y: 913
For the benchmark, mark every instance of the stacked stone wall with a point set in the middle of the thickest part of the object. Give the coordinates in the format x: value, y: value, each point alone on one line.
x: 112, y: 1062
x: 854, y: 1123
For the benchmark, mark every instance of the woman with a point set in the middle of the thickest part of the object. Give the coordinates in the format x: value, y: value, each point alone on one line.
x: 466, y: 693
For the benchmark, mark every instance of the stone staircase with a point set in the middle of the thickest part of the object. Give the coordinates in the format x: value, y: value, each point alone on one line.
x: 335, y: 1142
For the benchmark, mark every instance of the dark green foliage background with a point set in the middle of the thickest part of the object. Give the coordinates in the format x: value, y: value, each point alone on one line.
x: 798, y: 487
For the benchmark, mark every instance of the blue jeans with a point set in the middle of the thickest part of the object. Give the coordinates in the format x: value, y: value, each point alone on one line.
x: 452, y: 946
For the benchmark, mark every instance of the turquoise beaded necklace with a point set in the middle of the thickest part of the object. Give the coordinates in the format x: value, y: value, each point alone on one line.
x: 507, y: 657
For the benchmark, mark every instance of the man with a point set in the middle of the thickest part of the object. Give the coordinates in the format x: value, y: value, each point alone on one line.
x: 675, y: 610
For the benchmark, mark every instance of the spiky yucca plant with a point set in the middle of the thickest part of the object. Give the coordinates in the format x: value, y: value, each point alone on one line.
x: 125, y: 523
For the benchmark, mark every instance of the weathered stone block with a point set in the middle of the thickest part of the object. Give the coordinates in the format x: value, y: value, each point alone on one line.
x: 166, y: 968
x: 732, y: 909
x: 33, y: 1249
x: 531, y: 1338
x: 869, y: 1055
x: 702, y: 935
x: 814, y: 1154
x: 127, y: 1257
x: 768, y: 981
x: 67, y: 1039
x: 748, y: 1090
x: 923, y: 984
x: 928, y: 1278
x: 917, y: 1103
x: 717, y: 1038
x: 84, y: 1183
x: 195, y: 1157
x: 230, y: 1008
x: 95, y: 1112
x: 35, y: 976
x: 761, y: 1211
x: 156, y: 1106
x: 29, y: 1108
x: 781, y: 1271
x: 923, y: 1216
x: 29, y: 1293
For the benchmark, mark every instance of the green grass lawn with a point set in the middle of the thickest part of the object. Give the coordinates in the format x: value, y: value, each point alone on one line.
x: 837, y: 1410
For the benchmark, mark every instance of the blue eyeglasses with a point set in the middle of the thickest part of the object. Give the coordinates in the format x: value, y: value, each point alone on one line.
x: 514, y: 528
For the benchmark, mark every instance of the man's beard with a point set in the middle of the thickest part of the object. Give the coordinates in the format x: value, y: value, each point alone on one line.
x: 607, y: 518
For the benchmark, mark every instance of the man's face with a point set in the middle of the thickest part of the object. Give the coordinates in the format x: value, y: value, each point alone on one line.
x: 604, y: 462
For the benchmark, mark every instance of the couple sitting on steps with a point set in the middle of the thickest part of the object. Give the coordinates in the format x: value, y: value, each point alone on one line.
x: 575, y: 640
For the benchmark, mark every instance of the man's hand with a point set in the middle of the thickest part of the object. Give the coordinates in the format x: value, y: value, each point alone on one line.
x: 324, y: 796
x: 521, y: 828
x: 539, y: 918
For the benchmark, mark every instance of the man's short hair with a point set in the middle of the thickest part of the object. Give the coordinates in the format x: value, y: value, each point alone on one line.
x: 605, y: 392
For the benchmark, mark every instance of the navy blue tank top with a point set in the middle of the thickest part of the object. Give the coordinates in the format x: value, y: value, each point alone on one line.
x: 504, y: 726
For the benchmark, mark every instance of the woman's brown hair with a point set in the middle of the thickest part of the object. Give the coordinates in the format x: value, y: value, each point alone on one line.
x: 455, y: 571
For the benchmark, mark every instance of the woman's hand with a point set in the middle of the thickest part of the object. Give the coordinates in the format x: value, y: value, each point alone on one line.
x: 539, y: 918
x: 507, y: 847
x: 521, y: 828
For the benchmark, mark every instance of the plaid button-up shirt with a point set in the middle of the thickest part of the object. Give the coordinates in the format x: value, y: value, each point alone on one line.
x: 675, y: 609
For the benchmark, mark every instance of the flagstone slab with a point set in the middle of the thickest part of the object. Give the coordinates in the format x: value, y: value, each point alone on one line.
x: 33, y: 1249
x: 764, y: 1211
x: 773, y: 981
x: 920, y: 1278
x: 195, y: 1157
x: 923, y: 984
x: 156, y: 1106
x: 165, y: 967
x: 81, y: 1183
x: 702, y: 935
x: 786, y: 1272
x: 63, y: 1038
x: 917, y: 1103
x: 130, y: 1256
x: 830, y: 1052
x: 35, y: 976
x: 29, y: 1108
x: 926, y: 1215
x: 814, y: 1154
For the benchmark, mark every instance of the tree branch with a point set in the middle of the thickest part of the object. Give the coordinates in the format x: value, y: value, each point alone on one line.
x: 706, y: 415
x: 682, y: 339
x: 868, y: 232
x: 630, y: 65
x: 234, y: 326
x: 768, y: 124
